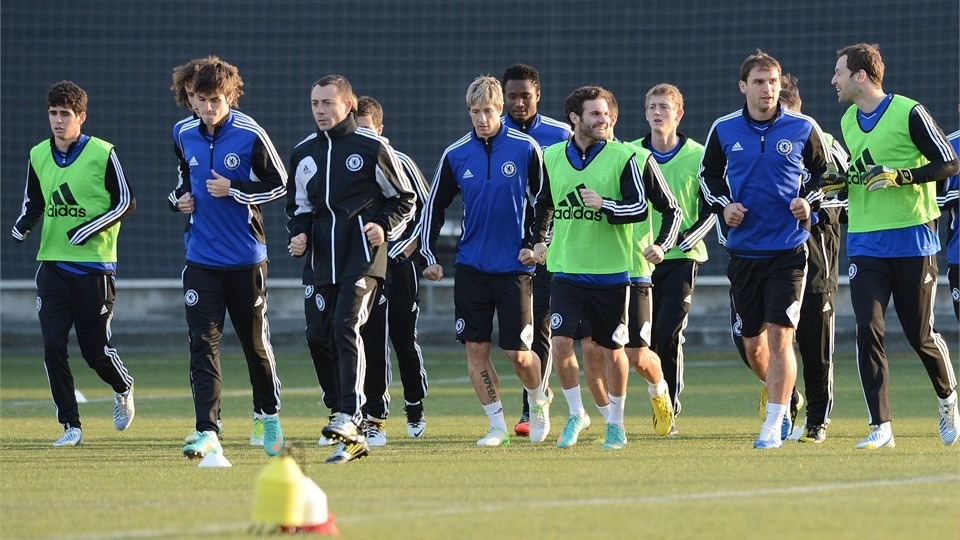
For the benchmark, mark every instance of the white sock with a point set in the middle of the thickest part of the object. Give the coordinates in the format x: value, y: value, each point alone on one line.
x: 774, y: 419
x: 616, y: 409
x: 495, y: 414
x: 535, y: 396
x: 574, y: 401
x: 604, y: 411
x: 658, y: 389
x: 949, y: 400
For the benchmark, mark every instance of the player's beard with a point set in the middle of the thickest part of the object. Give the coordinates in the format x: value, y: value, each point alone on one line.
x: 587, y: 133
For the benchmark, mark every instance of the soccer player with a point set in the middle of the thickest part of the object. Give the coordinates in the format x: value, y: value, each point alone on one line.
x: 753, y: 169
x: 674, y: 278
x: 594, y: 371
x: 950, y: 203
x: 815, y: 331
x: 183, y: 94
x: 182, y: 88
x: 649, y: 246
x: 521, y: 96
x: 593, y: 188
x: 647, y: 250
x: 638, y: 351
x: 397, y: 312
x: 400, y: 291
x: 497, y: 172
x: 350, y: 198
x: 897, y: 154
x: 76, y: 187
x: 234, y: 168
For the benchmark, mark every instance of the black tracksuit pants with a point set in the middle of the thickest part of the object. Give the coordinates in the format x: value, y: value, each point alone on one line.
x: 208, y: 296
x: 335, y: 316
x: 912, y: 282
x: 673, y: 284
x: 815, y: 339
x: 84, y: 301
x: 396, y: 315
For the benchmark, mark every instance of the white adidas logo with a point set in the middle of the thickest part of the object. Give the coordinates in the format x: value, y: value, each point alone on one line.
x: 467, y: 174
x: 193, y: 162
x: 736, y: 147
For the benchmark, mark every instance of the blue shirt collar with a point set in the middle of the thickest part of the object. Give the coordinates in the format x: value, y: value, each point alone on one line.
x: 580, y: 159
x: 66, y: 158
x: 533, y: 124
x: 869, y: 120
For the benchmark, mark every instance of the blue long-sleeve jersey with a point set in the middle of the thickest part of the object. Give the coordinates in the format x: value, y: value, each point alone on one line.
x: 764, y: 166
x: 227, y: 232
x: 498, y: 180
x: 543, y: 129
x: 183, y: 170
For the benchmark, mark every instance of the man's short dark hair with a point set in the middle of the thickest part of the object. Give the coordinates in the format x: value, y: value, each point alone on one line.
x: 574, y: 102
x: 521, y: 72
x: 865, y: 56
x: 367, y: 106
x: 67, y: 94
x: 759, y: 60
x: 344, y: 88
x: 789, y: 93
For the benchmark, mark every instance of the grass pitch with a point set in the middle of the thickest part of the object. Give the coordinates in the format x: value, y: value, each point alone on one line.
x: 706, y: 483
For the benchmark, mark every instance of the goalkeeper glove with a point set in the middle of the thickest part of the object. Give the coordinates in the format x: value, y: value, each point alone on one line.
x: 833, y: 183
x: 881, y: 177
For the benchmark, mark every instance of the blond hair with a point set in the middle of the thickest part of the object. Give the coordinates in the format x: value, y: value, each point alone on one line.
x: 669, y: 90
x: 485, y: 89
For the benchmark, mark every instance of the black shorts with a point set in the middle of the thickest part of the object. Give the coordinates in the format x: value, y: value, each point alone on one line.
x: 583, y: 330
x: 605, y: 308
x: 477, y: 295
x: 767, y: 290
x: 640, y: 314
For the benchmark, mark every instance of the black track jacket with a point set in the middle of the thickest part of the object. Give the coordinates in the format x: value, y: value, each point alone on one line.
x: 344, y: 178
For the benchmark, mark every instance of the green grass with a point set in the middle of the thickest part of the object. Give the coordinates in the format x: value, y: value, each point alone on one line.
x: 707, y: 483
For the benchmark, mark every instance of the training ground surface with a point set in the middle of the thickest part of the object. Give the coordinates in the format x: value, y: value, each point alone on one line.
x: 706, y: 483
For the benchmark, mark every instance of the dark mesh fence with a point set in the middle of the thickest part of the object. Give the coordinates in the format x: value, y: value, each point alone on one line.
x: 417, y: 58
